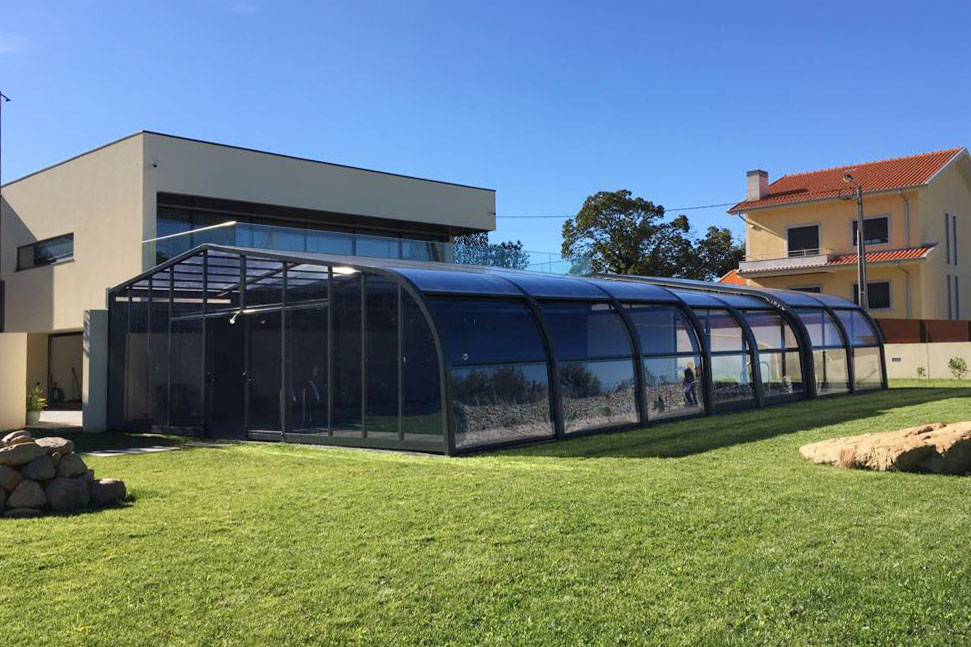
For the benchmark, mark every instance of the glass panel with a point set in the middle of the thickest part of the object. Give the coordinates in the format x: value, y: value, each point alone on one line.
x: 732, y: 377
x: 291, y: 239
x: 475, y: 332
x: 781, y: 374
x: 597, y: 394
x: 822, y: 329
x: 497, y: 404
x: 382, y: 357
x: 673, y: 387
x: 307, y: 366
x: 743, y: 301
x: 346, y: 414
x: 866, y: 368
x: 117, y: 345
x: 306, y: 283
x: 803, y: 240
x: 159, y: 349
x: 663, y: 330
x: 771, y: 332
x: 45, y: 252
x: 330, y: 242
x: 698, y: 299
x: 634, y: 290
x: 582, y: 331
x: 459, y: 282
x: 724, y: 333
x: 857, y: 327
x: 421, y: 379
x: 171, y: 221
x: 554, y: 286
x: 186, y: 356
x: 264, y: 371
x: 223, y: 282
x: 377, y: 247
x: 264, y: 283
x: 136, y: 365
x: 831, y: 371
x: 796, y: 297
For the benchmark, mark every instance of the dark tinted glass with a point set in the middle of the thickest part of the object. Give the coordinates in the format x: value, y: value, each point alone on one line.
x: 858, y: 329
x: 503, y: 403
x: 554, y: 286
x: 597, y: 394
x: 804, y: 240
x: 381, y: 305
x: 45, y: 252
x: 346, y: 414
x: 307, y: 365
x: 663, y: 330
x: 634, y: 291
x: 137, y: 409
x: 699, y: 299
x: 117, y: 358
x: 581, y: 331
x: 186, y: 356
x: 264, y: 283
x: 223, y: 281
x: 265, y: 370
x: 306, y: 283
x: 459, y: 282
x: 482, y: 331
x: 821, y: 327
x: 421, y: 378
x: 329, y: 242
x: 158, y: 347
x: 724, y: 333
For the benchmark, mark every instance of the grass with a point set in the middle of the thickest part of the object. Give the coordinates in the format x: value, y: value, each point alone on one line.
x: 707, y: 531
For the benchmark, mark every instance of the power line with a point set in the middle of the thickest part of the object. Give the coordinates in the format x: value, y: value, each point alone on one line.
x: 694, y: 208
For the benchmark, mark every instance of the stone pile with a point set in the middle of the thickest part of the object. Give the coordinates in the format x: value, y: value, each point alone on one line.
x: 43, y: 475
x: 937, y: 448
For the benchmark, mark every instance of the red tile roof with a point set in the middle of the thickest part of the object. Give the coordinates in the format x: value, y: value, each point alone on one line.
x: 883, y: 175
x: 908, y: 254
x: 732, y: 278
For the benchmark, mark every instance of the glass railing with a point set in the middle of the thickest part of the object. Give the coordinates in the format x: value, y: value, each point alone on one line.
x: 297, y: 239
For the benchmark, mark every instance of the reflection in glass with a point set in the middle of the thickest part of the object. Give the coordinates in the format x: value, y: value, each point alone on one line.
x: 347, y: 397
x: 307, y: 365
x: 187, y: 351
x: 597, y: 394
x: 479, y: 331
x: 421, y: 415
x: 264, y: 372
x: 858, y: 329
x: 673, y: 387
x: 867, y: 372
x: 585, y: 330
x: 495, y: 404
x: 381, y: 303
x: 732, y: 377
x: 724, y: 333
x: 662, y: 329
x: 831, y: 371
x: 822, y: 329
x: 781, y: 373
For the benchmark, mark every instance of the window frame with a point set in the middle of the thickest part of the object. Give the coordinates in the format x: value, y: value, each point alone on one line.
x: 885, y: 216
x: 808, y: 289
x: 35, y: 244
x: 855, y: 294
x: 819, y: 237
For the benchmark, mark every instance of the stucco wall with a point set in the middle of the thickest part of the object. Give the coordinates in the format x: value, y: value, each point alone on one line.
x: 903, y: 359
x: 98, y: 197
x: 13, y: 389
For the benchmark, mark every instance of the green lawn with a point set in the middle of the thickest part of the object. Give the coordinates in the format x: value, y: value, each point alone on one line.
x: 708, y: 531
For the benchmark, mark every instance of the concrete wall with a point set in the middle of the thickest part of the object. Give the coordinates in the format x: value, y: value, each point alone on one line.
x: 98, y: 197
x: 183, y: 166
x: 94, y: 356
x: 13, y: 389
x: 903, y: 359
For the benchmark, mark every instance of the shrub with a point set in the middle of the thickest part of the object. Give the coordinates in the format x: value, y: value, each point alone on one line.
x: 921, y: 371
x: 958, y: 366
x: 35, y: 399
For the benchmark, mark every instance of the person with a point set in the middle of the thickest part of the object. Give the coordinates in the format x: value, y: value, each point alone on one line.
x: 689, y: 386
x: 659, y: 404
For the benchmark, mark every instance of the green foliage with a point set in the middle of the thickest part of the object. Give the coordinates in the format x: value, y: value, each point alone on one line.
x: 921, y: 372
x: 958, y: 367
x: 475, y: 249
x: 622, y: 234
x: 710, y: 531
x: 35, y: 399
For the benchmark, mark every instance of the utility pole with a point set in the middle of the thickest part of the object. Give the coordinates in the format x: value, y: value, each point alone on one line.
x: 862, y: 297
x: 3, y: 291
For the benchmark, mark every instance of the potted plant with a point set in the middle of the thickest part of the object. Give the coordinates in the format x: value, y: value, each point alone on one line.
x: 35, y: 404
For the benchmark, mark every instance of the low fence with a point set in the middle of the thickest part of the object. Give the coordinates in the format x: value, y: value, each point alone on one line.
x: 922, y: 331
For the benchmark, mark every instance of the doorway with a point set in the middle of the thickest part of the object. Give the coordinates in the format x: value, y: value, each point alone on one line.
x: 225, y: 378
x: 64, y: 371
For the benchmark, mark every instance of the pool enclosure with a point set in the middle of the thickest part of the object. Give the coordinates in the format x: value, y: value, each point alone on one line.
x: 302, y: 347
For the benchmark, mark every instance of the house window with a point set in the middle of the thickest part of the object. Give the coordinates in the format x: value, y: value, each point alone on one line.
x: 813, y: 289
x: 877, y: 293
x: 876, y: 231
x: 947, y: 241
x: 45, y: 252
x: 803, y: 241
x: 954, y: 221
x: 950, y: 311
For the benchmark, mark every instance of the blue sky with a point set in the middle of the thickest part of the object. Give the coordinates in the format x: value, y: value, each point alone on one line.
x: 545, y: 102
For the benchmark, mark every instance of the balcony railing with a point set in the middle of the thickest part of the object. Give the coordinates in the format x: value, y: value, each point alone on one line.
x: 298, y: 239
x: 792, y: 253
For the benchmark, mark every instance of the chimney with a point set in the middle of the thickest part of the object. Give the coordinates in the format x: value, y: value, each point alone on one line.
x: 757, y: 185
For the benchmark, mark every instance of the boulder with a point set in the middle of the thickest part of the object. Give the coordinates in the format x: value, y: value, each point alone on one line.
x: 65, y: 494
x: 936, y: 447
x: 87, y: 477
x: 21, y: 513
x: 15, y: 437
x: 20, y: 454
x: 28, y: 494
x: 55, y: 445
x: 56, y: 458
x: 39, y: 469
x: 9, y: 478
x: 106, y: 491
x: 71, y: 465
x: 3, y: 499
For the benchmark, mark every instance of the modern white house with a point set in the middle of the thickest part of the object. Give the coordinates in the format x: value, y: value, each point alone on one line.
x: 70, y: 231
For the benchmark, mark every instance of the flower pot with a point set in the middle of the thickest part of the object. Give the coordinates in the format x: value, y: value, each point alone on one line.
x: 33, y: 417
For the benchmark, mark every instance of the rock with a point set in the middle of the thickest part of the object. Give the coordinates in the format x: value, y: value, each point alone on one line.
x: 21, y: 513
x: 66, y: 494
x: 55, y: 445
x: 14, y: 437
x: 56, y: 458
x: 28, y: 494
x: 3, y: 498
x: 106, y: 491
x: 71, y: 465
x: 87, y: 477
x: 39, y: 469
x: 928, y: 448
x: 9, y: 478
x: 20, y: 454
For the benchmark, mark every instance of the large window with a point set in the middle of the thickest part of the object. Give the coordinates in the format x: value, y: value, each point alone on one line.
x: 878, y: 295
x: 865, y: 349
x: 45, y: 252
x: 731, y: 365
x: 803, y: 241
x: 595, y: 361
x: 829, y: 353
x: 876, y: 231
x: 780, y: 367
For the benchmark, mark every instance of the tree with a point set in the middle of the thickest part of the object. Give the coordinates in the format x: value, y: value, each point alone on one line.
x: 622, y: 234
x: 475, y: 249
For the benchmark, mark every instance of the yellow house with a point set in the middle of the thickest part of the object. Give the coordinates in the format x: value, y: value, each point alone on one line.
x: 801, y: 230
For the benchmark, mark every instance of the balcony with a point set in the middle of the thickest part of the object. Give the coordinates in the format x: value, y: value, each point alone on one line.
x: 794, y: 260
x: 301, y: 239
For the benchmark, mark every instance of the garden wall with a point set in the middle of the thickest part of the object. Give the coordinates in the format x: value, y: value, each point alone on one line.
x: 904, y: 359
x: 13, y: 379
